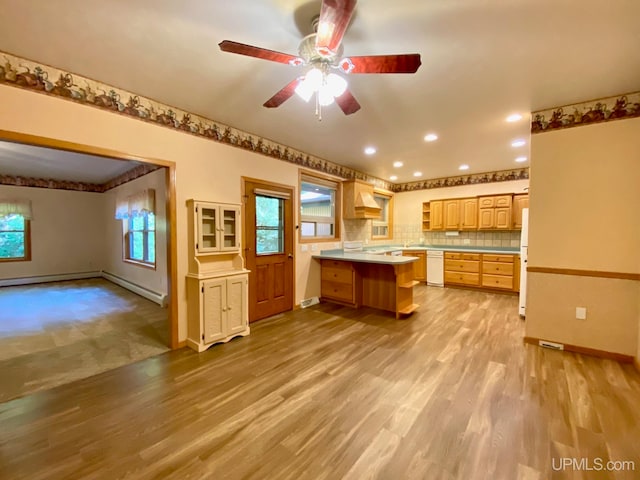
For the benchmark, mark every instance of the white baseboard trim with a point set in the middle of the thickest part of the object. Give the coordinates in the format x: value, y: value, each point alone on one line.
x: 159, y: 298
x: 10, y: 282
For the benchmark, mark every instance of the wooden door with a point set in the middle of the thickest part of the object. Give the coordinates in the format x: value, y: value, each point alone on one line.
x: 213, y: 302
x: 268, y: 247
x: 451, y: 214
x: 437, y: 217
x: 236, y: 304
x: 469, y: 213
x: 519, y: 202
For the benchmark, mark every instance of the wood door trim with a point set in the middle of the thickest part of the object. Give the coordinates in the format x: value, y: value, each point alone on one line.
x: 585, y: 273
x: 170, y: 181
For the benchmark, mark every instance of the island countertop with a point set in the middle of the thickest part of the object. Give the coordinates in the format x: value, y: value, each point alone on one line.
x: 364, y: 257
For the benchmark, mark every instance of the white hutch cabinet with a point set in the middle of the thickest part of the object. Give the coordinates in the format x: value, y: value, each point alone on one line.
x: 217, y: 282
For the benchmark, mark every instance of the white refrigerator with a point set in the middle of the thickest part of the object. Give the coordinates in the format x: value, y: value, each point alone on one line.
x: 524, y: 246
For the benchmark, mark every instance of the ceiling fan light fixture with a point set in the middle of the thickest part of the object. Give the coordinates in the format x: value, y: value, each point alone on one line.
x: 324, y: 97
x: 336, y: 84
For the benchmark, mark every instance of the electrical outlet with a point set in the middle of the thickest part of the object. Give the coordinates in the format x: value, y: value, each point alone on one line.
x: 314, y: 247
x: 581, y: 313
x: 466, y: 241
x: 304, y: 248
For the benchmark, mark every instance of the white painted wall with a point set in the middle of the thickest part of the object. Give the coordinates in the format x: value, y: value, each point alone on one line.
x: 66, y: 232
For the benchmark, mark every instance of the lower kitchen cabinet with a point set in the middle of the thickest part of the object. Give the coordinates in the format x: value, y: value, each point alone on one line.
x: 419, y: 267
x: 499, y: 271
x: 218, y: 310
x: 339, y: 282
x: 462, y: 268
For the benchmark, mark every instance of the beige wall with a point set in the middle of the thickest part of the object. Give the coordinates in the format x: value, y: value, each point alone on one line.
x: 584, y: 203
x: 66, y: 232
x: 154, y: 280
x: 205, y: 170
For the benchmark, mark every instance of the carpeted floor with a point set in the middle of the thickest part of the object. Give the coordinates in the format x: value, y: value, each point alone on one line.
x: 55, y: 333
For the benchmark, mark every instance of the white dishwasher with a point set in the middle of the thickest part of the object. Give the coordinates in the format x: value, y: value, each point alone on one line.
x: 435, y: 268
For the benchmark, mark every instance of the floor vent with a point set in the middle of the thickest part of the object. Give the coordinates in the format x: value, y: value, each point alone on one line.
x: 307, y: 302
x: 551, y: 345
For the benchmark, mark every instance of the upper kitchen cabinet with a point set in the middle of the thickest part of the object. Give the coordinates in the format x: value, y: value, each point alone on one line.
x: 519, y: 202
x: 495, y: 212
x: 432, y: 215
x: 460, y: 214
x: 359, y: 201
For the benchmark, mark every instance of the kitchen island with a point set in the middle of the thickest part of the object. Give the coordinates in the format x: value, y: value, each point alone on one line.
x: 362, y: 279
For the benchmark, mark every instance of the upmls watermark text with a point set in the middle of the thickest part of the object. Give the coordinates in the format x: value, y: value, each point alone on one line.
x: 592, y: 464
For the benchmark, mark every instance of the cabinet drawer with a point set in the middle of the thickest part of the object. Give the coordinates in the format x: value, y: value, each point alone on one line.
x: 461, y: 256
x: 337, y: 264
x: 498, y: 258
x: 462, y: 278
x: 338, y: 291
x: 462, y: 266
x: 497, y: 281
x: 503, y: 201
x: 487, y: 202
x: 338, y: 275
x: 497, y: 268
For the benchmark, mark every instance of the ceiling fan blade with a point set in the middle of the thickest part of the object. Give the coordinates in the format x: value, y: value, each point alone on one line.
x: 334, y: 20
x: 404, y: 63
x: 251, y: 51
x: 283, y: 95
x: 347, y: 103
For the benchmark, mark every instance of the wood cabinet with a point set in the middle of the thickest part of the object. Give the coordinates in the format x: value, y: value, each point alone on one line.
x: 468, y: 213
x: 500, y: 272
x: 419, y: 267
x: 437, y: 215
x: 495, y: 212
x: 358, y: 200
x: 519, y: 202
x: 462, y: 268
x: 451, y: 214
x: 218, y: 310
x: 216, y: 227
x: 339, y: 282
x: 426, y: 216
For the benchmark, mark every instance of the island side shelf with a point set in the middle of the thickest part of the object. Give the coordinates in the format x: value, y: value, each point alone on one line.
x: 386, y: 285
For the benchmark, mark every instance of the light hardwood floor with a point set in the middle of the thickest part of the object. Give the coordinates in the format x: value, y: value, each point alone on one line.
x: 55, y: 333
x: 329, y: 393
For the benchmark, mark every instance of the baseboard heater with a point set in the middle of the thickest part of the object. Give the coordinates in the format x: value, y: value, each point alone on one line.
x: 159, y: 298
x: 12, y: 282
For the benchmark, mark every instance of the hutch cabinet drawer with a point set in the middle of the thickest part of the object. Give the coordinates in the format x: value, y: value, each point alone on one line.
x: 338, y: 275
x: 487, y: 202
x: 503, y: 201
x: 462, y: 278
x: 497, y: 281
x: 497, y: 268
x: 337, y: 291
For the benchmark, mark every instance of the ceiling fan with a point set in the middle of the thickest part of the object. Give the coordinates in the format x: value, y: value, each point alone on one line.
x: 321, y: 53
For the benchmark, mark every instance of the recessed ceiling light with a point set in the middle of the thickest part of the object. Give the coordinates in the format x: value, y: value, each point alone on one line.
x: 417, y: 174
x: 463, y: 167
x: 393, y: 177
x: 521, y: 159
x: 430, y: 137
x: 518, y: 143
x: 398, y: 164
x: 370, y: 150
x: 514, y: 117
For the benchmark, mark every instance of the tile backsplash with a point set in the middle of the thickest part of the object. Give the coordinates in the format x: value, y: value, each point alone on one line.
x: 413, y: 234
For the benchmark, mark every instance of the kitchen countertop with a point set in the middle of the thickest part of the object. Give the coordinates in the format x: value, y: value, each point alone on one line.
x: 365, y: 257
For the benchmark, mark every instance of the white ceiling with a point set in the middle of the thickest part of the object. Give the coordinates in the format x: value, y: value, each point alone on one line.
x: 37, y: 162
x: 481, y: 60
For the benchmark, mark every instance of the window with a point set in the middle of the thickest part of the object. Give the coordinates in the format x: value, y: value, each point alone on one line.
x: 14, y: 238
x: 139, y: 226
x: 269, y: 225
x: 319, y: 208
x: 140, y: 239
x: 381, y: 227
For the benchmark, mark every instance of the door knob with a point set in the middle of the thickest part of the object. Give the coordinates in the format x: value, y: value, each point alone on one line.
x: 290, y: 255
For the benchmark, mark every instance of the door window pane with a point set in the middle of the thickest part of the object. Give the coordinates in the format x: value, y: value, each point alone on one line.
x: 269, y: 225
